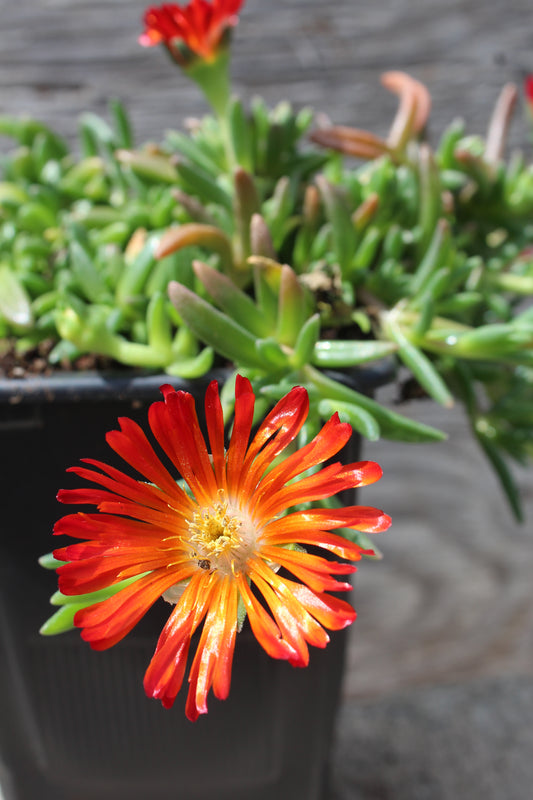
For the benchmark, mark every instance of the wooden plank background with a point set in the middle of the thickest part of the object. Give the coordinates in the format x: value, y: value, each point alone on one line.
x: 453, y: 597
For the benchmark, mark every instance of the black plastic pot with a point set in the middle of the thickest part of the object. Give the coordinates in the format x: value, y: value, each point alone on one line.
x: 75, y: 724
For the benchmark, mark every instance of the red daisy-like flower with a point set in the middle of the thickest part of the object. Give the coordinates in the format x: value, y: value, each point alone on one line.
x: 201, y: 25
x: 219, y: 544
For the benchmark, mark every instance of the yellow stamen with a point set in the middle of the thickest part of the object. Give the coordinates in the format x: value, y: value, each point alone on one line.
x: 216, y: 531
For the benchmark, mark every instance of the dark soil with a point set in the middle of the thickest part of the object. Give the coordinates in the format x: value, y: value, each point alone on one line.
x: 35, y: 362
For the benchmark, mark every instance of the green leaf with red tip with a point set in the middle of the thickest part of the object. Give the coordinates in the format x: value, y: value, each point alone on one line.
x: 232, y: 300
x: 294, y: 307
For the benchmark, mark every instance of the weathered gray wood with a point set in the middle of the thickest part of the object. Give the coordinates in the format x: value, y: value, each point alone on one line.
x: 463, y: 742
x: 453, y: 597
x: 61, y: 57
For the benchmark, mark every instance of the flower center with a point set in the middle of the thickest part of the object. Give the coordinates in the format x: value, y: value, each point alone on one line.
x: 222, y: 537
x: 215, y: 531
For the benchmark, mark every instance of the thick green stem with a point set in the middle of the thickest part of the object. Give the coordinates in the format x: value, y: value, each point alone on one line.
x: 213, y: 78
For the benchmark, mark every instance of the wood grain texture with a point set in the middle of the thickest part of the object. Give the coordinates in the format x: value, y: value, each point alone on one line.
x: 61, y: 57
x: 453, y: 596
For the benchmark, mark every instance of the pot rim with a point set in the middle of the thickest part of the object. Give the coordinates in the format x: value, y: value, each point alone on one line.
x: 95, y: 386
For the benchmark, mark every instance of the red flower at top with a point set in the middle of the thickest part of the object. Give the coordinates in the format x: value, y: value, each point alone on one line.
x: 201, y: 25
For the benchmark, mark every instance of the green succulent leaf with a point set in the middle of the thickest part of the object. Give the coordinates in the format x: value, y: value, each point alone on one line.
x: 436, y: 256
x: 123, y: 134
x: 294, y: 307
x: 419, y: 364
x: 87, y: 275
x: 199, y: 183
x: 271, y: 353
x: 504, y: 475
x: 150, y: 166
x: 338, y: 214
x: 393, y: 425
x: 360, y: 419
x: 306, y: 342
x: 241, y: 135
x: 349, y: 353
x: 61, y: 620
x: 15, y: 303
x: 215, y: 328
x: 47, y: 561
x: 193, y: 151
x: 193, y: 367
x: 233, y: 301
x: 491, y: 342
x: 135, y: 274
x: 158, y: 325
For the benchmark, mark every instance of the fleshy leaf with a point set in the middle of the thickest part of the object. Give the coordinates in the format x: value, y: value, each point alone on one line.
x: 215, y: 328
x: 14, y: 301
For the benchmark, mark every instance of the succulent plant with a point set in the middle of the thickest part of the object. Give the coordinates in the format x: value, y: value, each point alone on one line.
x: 255, y: 239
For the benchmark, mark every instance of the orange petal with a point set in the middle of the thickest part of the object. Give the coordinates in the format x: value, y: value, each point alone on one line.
x: 330, y: 611
x: 108, y: 527
x: 122, y: 485
x: 295, y: 622
x: 326, y: 444
x: 175, y: 426
x: 312, y: 570
x: 364, y: 518
x: 288, y: 623
x: 242, y: 426
x: 131, y: 444
x: 165, y: 672
x: 278, y: 430
x: 215, y: 429
x: 222, y: 673
x: 106, y: 623
x: 214, y: 655
x: 263, y: 626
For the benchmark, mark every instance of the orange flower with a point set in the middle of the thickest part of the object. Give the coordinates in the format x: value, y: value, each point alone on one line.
x: 200, y: 25
x: 220, y: 544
